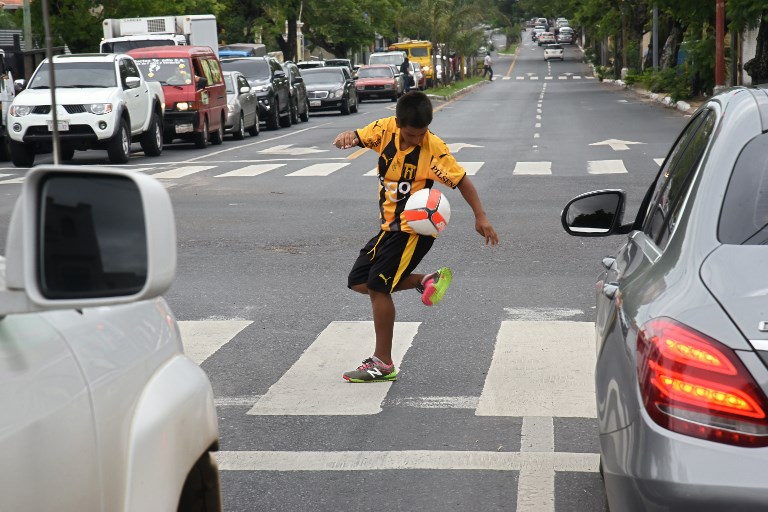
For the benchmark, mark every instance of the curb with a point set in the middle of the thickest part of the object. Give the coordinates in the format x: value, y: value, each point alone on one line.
x: 458, y: 93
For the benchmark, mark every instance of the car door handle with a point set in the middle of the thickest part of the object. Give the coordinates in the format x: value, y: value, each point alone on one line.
x: 608, y: 262
x: 610, y: 289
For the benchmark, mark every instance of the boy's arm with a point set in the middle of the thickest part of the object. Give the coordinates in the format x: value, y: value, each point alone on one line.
x: 346, y: 140
x: 482, y: 224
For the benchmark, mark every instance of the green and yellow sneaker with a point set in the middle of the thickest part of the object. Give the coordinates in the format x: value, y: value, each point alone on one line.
x: 435, y: 285
x: 372, y: 371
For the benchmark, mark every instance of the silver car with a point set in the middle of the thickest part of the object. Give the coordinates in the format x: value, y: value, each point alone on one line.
x: 242, y: 106
x: 682, y: 320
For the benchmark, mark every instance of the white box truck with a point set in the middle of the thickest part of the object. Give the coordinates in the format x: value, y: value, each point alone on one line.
x: 124, y: 34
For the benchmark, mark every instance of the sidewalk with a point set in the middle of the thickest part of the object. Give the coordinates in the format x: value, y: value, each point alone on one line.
x: 688, y: 107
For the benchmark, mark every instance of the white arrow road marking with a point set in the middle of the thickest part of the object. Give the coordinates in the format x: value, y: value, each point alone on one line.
x: 616, y: 145
x: 658, y: 161
x: 455, y: 147
x: 288, y: 149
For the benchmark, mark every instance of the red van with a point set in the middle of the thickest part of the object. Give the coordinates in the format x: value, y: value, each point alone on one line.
x: 195, y: 95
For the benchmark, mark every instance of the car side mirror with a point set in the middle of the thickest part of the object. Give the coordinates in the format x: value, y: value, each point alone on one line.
x: 245, y: 89
x: 132, y: 82
x: 597, y: 213
x: 279, y: 74
x: 87, y: 237
x: 298, y: 79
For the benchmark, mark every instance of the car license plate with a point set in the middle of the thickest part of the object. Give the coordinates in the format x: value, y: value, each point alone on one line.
x: 63, y: 126
x: 184, y: 128
x: 315, y: 103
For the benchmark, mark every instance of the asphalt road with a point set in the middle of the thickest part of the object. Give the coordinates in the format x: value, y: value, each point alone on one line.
x: 493, y: 409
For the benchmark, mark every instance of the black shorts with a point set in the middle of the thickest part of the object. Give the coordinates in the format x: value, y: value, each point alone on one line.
x: 387, y: 259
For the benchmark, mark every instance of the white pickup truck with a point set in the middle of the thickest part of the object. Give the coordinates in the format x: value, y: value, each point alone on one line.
x: 101, y: 411
x: 103, y: 103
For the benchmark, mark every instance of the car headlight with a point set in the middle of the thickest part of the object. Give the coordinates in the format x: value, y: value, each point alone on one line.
x: 20, y: 110
x: 261, y: 88
x: 389, y: 86
x: 99, y: 108
x: 230, y: 108
x: 425, y: 69
x: 338, y: 93
x: 182, y: 105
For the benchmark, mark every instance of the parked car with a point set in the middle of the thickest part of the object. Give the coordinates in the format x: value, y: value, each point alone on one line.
x: 308, y: 64
x: 269, y: 81
x: 299, y: 101
x: 339, y: 62
x: 242, y: 50
x: 554, y: 51
x: 106, y: 102
x: 242, y: 106
x: 330, y: 89
x: 400, y: 79
x: 102, y: 410
x: 195, y: 96
x: 681, y: 320
x: 565, y: 36
x: 375, y: 82
x: 546, y: 38
x: 418, y: 79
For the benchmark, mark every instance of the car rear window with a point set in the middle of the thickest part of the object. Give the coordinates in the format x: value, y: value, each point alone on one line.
x: 374, y: 73
x: 744, y: 216
x: 323, y: 76
x: 250, y: 68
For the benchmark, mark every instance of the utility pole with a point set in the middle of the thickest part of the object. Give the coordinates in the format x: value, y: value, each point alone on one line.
x: 655, y: 42
x: 719, y: 43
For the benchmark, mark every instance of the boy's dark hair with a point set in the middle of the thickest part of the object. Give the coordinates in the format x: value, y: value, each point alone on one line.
x: 414, y: 110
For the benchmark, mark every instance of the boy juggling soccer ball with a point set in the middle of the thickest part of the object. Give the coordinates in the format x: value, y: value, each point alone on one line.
x: 410, y: 158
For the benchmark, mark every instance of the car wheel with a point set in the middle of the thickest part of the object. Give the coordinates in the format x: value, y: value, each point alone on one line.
x: 217, y: 137
x: 67, y: 154
x: 201, y: 138
x: 273, y: 119
x: 394, y: 97
x: 119, y: 148
x: 305, y: 115
x: 353, y: 108
x: 5, y: 149
x: 285, y: 120
x: 239, y: 134
x: 22, y: 155
x: 295, y: 112
x: 345, y: 107
x: 254, y: 130
x: 152, y: 140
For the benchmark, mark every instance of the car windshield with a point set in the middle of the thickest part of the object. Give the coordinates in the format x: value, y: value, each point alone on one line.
x: 388, y: 58
x: 374, y: 73
x: 419, y: 52
x: 229, y: 82
x: 553, y: 47
x: 251, y: 68
x: 341, y: 62
x: 168, y: 71
x: 76, y: 75
x: 323, y: 76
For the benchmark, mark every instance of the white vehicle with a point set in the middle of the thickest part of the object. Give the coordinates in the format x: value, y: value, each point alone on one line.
x: 394, y: 57
x: 104, y: 103
x: 124, y: 34
x: 554, y: 51
x: 102, y: 411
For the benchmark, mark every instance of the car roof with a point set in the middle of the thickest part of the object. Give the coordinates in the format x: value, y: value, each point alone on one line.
x: 172, y: 51
x: 86, y: 57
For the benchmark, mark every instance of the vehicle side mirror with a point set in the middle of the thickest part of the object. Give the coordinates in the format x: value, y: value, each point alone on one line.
x: 279, y: 74
x: 88, y: 237
x: 596, y: 213
x: 298, y: 79
x: 245, y: 89
x: 132, y: 82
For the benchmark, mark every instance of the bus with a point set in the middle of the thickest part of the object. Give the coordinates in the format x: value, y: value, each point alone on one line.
x: 418, y: 51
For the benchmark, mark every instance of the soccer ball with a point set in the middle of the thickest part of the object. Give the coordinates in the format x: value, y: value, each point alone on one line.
x: 427, y: 211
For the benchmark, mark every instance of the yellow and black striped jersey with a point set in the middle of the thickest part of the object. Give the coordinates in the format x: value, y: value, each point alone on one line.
x: 403, y: 172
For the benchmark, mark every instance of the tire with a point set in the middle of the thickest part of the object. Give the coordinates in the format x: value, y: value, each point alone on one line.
x: 394, y: 97
x: 152, y: 140
x: 273, y: 121
x: 285, y: 121
x: 201, y: 138
x: 295, y: 112
x: 239, y: 134
x: 254, y: 130
x: 5, y: 148
x: 345, y: 107
x: 353, y: 108
x: 119, y: 148
x: 22, y: 155
x: 217, y: 137
x: 305, y: 116
x: 67, y: 154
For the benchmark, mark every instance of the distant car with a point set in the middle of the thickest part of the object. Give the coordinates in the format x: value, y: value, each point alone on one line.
x: 330, y: 89
x: 554, y: 51
x: 546, y: 38
x: 309, y: 64
x: 299, y: 101
x: 271, y: 85
x: 681, y: 377
x: 376, y: 82
x: 565, y: 36
x: 242, y: 50
x: 400, y: 79
x: 418, y: 79
x: 536, y: 32
x: 242, y: 106
x: 339, y: 62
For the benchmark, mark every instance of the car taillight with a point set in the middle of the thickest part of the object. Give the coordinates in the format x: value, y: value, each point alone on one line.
x: 696, y: 386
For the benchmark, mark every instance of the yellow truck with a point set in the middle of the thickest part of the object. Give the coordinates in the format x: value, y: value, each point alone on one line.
x: 418, y: 51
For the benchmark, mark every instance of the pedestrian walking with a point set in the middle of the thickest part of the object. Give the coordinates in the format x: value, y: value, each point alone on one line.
x: 405, y: 69
x: 487, y: 66
x: 411, y: 158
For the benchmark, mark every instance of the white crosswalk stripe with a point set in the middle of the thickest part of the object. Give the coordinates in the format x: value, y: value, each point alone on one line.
x: 319, y: 169
x: 533, y: 168
x: 606, y: 167
x: 250, y: 170
x: 181, y: 172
